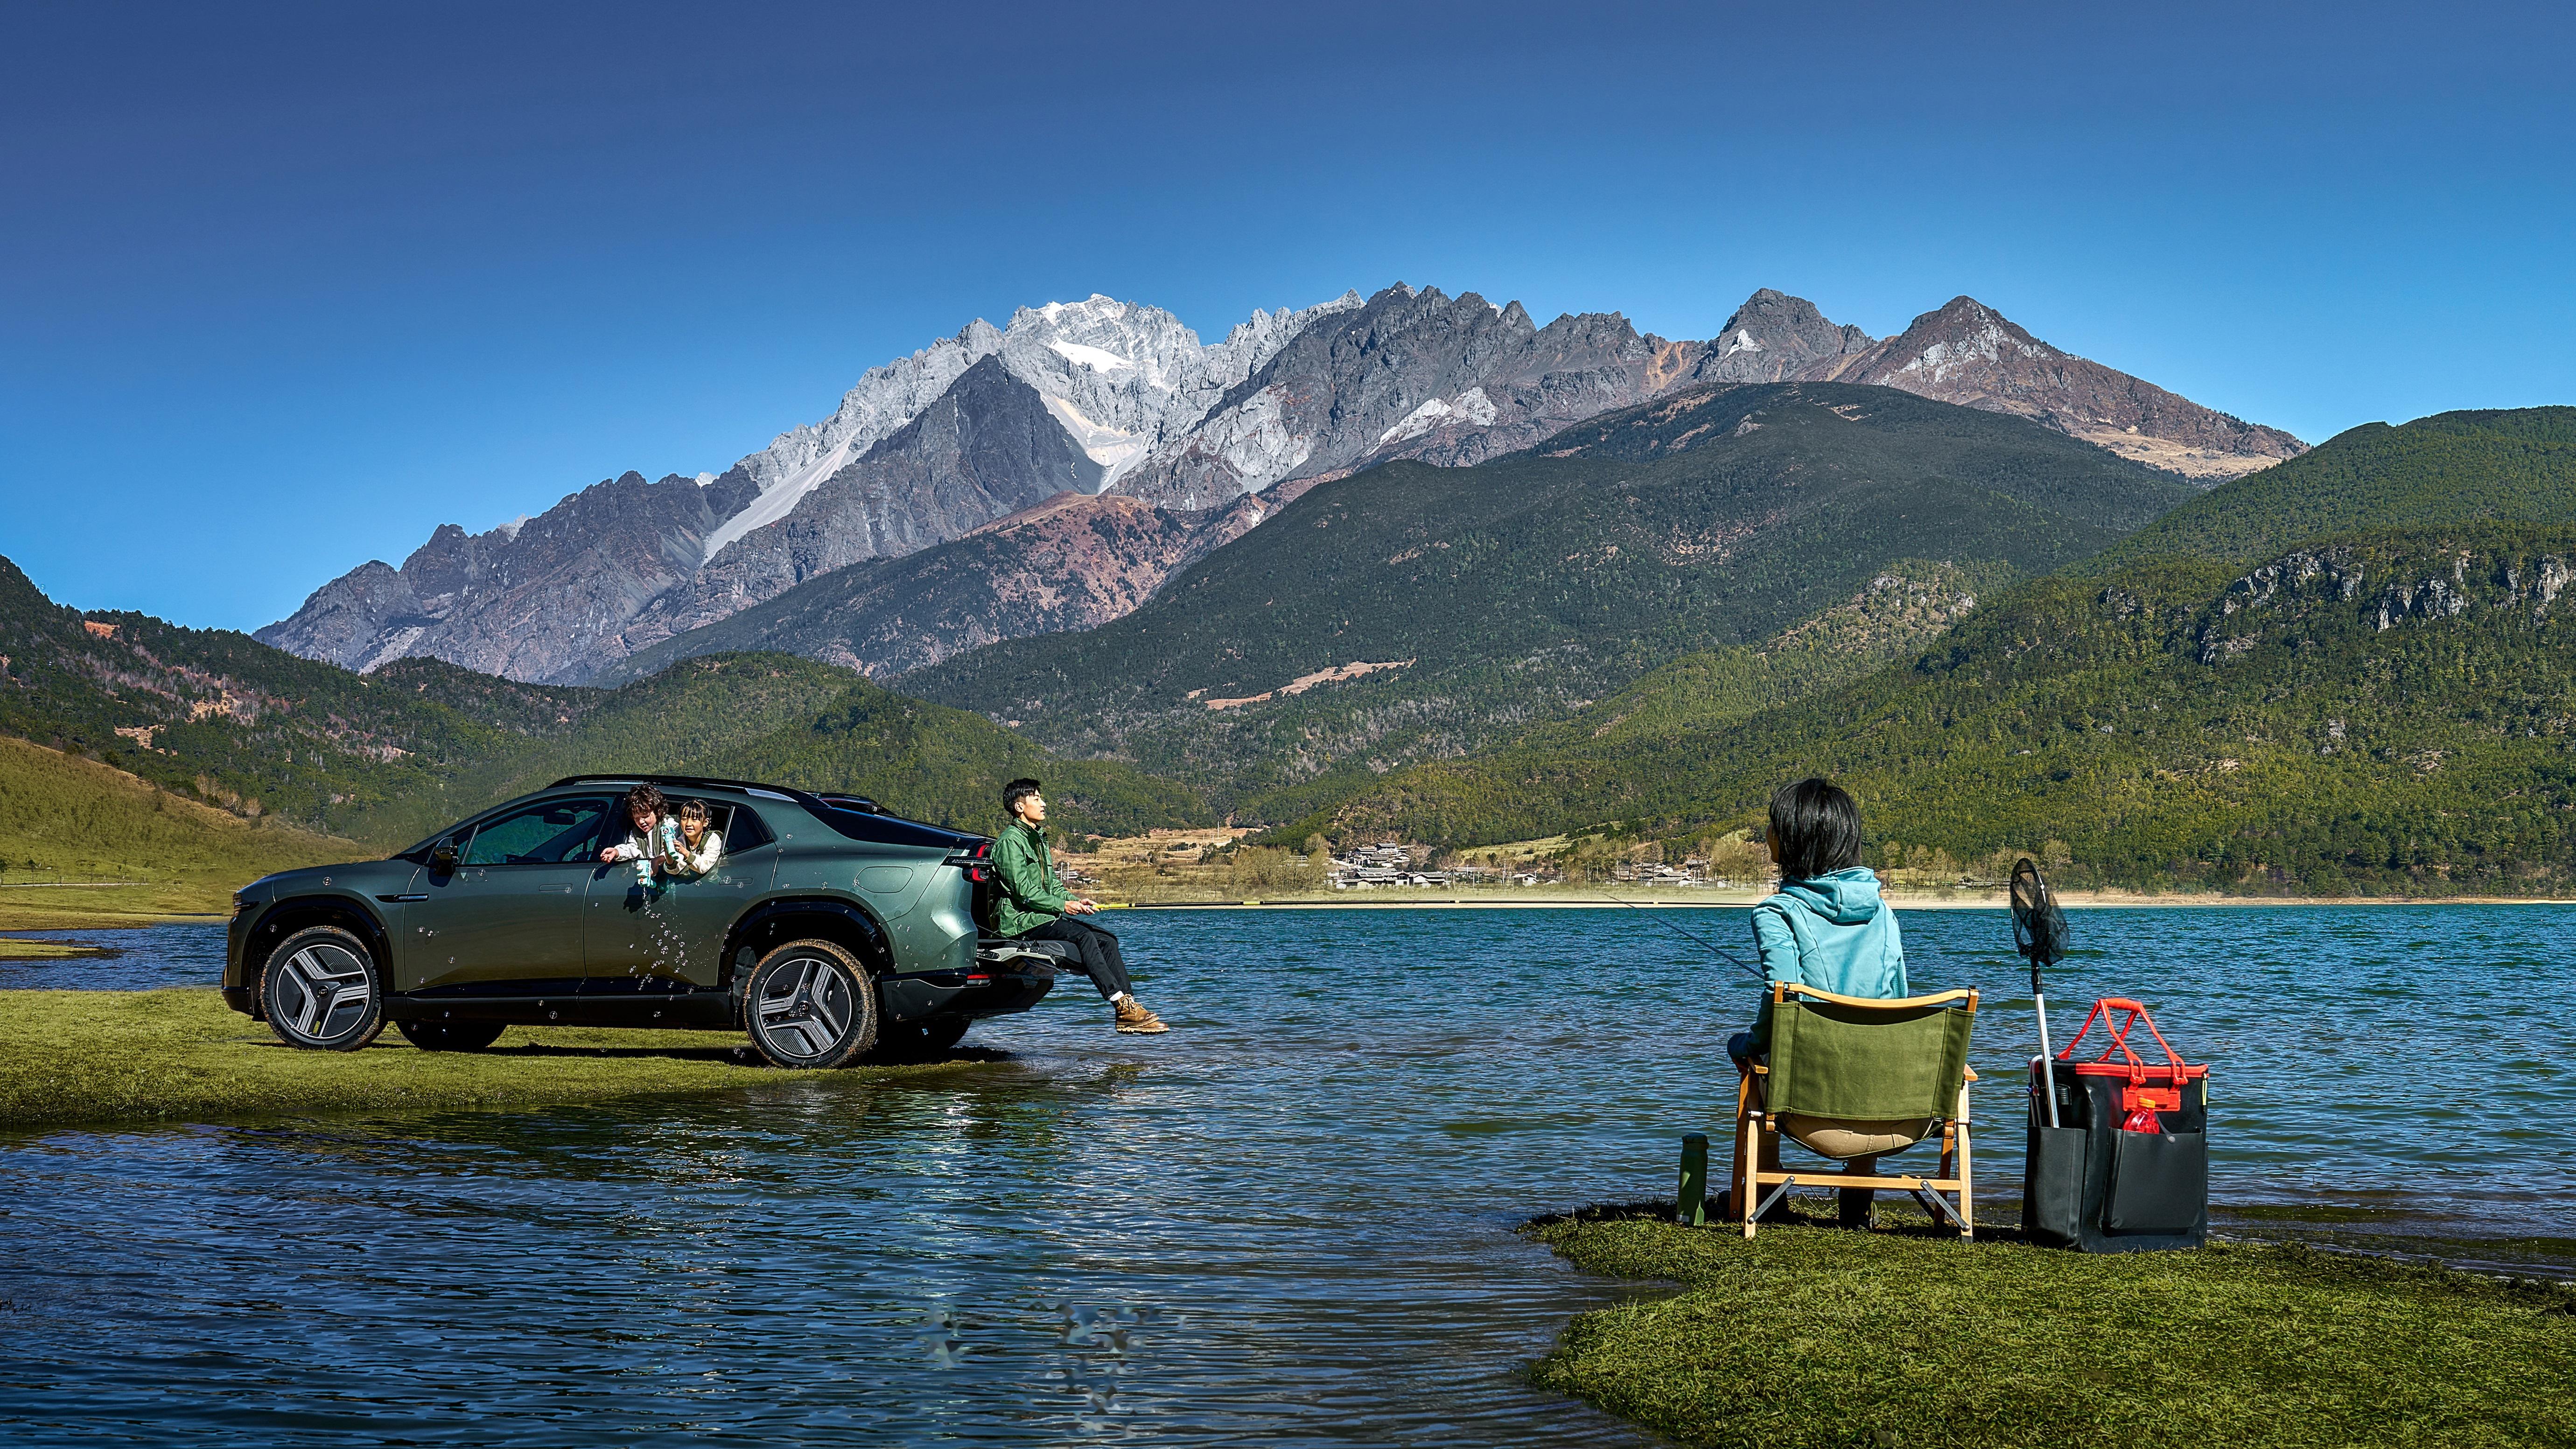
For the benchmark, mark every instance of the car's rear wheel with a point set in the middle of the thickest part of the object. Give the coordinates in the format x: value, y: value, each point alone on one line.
x: 810, y: 1004
x: 451, y: 1036
x: 322, y: 990
x: 911, y: 1040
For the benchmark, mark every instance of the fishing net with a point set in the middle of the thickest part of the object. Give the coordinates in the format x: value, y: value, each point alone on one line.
x: 2039, y: 927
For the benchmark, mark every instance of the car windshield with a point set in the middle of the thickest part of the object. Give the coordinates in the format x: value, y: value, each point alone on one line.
x: 547, y: 834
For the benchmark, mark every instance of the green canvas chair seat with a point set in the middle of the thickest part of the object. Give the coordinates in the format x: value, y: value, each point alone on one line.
x: 1850, y: 1078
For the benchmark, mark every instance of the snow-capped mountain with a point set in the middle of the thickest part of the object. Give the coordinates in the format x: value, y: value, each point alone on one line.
x: 1108, y: 397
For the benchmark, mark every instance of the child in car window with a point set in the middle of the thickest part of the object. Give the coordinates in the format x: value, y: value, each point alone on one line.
x: 696, y: 848
x: 653, y: 837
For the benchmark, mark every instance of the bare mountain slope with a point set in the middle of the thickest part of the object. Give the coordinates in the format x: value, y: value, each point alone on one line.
x: 1072, y: 562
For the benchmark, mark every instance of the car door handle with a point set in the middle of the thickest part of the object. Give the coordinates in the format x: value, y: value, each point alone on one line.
x: 397, y: 900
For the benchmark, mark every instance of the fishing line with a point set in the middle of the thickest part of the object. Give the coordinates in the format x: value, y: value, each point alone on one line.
x: 1720, y: 952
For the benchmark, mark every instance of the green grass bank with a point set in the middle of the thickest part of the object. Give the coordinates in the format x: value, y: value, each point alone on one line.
x: 179, y: 1055
x: 1811, y: 1335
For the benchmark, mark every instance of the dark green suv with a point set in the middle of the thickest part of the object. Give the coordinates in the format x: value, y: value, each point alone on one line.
x: 829, y: 929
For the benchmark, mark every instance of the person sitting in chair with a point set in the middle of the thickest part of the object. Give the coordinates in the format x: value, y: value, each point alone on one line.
x: 1827, y: 928
x: 1035, y: 906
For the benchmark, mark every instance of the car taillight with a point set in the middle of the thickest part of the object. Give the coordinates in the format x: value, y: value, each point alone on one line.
x: 973, y: 863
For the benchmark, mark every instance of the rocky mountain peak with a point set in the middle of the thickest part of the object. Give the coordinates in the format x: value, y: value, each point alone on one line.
x: 1775, y: 337
x: 1968, y: 353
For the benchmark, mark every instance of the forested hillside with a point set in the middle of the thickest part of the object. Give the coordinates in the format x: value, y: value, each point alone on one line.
x: 2379, y: 708
x: 791, y: 721
x: 2510, y: 465
x: 224, y: 721
x: 1411, y: 612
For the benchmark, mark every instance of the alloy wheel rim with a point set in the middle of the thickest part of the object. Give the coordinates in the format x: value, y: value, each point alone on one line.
x: 323, y: 992
x: 805, y: 1010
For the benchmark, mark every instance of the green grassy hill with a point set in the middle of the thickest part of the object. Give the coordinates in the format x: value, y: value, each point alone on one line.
x: 64, y: 818
x: 1502, y: 596
x: 2341, y: 708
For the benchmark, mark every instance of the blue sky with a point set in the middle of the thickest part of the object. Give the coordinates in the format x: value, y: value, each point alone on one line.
x: 284, y: 287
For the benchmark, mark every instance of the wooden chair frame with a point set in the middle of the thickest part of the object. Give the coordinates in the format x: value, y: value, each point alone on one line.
x: 1757, y: 1136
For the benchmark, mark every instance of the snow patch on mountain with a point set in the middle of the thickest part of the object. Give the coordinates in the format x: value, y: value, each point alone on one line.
x: 1472, y: 407
x: 780, y: 499
x: 1113, y: 449
x: 1095, y: 358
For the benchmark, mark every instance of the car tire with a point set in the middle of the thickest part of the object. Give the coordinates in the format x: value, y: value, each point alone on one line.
x: 451, y: 1036
x: 810, y: 1004
x: 322, y: 990
x: 905, y: 1041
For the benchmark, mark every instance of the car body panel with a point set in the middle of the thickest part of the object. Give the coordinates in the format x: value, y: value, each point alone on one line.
x: 504, y: 928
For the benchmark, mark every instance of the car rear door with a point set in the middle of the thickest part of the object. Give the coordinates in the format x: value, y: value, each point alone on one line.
x: 508, y: 920
x: 666, y: 938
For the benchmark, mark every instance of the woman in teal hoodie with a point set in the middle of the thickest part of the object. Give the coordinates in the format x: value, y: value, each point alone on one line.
x: 1827, y: 928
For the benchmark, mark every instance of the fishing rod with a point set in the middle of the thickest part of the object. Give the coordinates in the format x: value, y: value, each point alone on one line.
x: 1704, y: 944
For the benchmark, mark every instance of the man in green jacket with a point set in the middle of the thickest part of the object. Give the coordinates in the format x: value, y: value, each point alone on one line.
x: 1035, y: 906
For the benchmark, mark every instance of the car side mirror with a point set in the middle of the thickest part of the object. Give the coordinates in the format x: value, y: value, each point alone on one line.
x: 442, y: 857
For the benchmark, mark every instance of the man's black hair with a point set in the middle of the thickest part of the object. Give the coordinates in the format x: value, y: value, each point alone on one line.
x: 1015, y: 792
x: 1818, y: 827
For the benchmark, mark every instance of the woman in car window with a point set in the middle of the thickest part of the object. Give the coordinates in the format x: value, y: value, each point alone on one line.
x: 697, y: 848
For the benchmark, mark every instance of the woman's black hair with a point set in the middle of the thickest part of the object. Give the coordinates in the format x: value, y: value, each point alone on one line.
x: 1818, y: 827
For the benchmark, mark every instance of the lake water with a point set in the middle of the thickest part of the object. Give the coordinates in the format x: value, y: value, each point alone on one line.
x: 1291, y: 1220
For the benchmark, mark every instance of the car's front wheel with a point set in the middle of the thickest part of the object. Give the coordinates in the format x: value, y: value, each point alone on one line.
x: 810, y: 1004
x: 322, y: 990
x: 451, y: 1036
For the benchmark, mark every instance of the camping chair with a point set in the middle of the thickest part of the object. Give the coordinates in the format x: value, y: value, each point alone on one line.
x: 1852, y: 1078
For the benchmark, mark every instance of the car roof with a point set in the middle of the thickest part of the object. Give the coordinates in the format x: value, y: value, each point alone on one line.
x: 833, y: 808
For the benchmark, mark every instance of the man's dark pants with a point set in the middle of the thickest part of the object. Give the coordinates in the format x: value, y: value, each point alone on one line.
x: 1100, y: 959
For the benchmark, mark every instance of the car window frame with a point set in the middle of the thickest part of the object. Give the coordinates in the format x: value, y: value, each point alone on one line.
x: 588, y: 857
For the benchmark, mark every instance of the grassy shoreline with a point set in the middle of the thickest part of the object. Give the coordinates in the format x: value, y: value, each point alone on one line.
x: 1810, y: 1335
x: 83, y: 1058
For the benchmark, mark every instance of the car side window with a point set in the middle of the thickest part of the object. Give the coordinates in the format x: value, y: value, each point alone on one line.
x: 553, y: 833
x: 742, y: 829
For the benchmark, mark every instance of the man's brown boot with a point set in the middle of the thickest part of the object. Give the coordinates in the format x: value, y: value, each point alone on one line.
x: 1132, y: 1016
